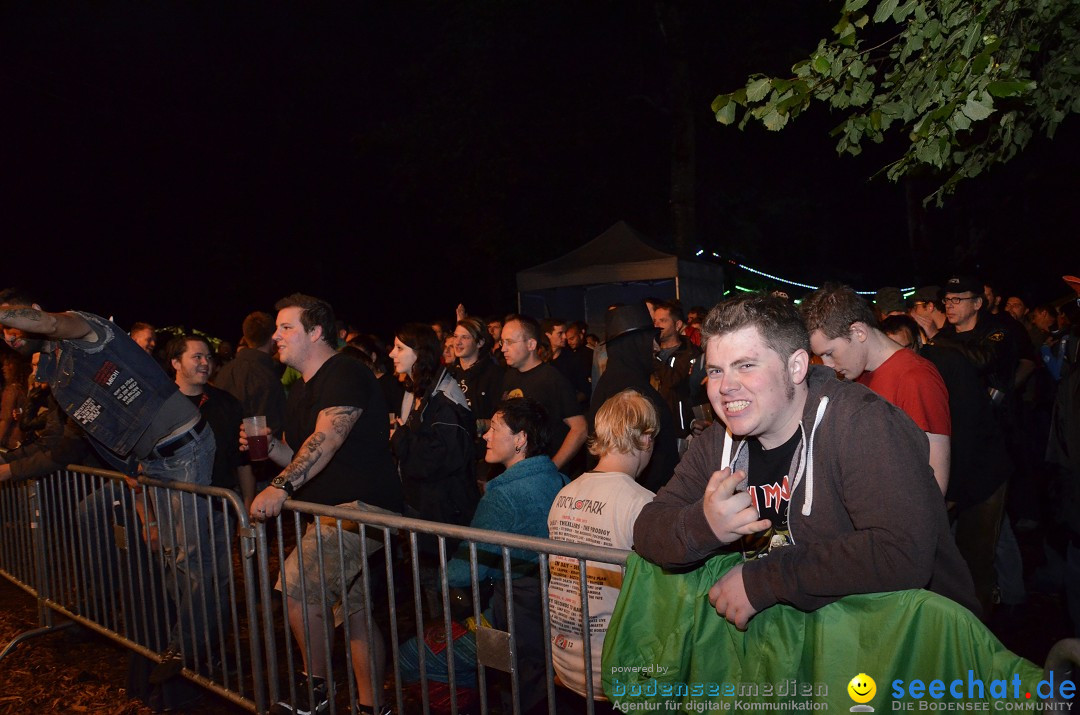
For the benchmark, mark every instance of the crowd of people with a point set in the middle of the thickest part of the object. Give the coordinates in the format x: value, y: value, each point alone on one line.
x: 914, y: 435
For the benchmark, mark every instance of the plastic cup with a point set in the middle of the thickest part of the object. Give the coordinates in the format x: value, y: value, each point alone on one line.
x: 258, y: 443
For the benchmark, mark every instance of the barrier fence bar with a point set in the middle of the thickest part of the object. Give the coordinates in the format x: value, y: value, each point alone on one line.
x: 80, y: 541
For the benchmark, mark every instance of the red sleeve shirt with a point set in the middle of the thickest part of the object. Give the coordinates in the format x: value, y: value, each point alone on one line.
x: 914, y: 385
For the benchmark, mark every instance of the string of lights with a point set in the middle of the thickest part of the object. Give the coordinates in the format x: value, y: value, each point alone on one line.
x: 749, y: 269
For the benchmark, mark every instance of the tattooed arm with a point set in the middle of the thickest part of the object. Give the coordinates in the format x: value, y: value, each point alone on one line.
x: 60, y: 326
x: 331, y: 428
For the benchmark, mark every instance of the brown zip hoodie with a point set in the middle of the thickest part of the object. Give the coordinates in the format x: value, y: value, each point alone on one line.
x: 865, y: 514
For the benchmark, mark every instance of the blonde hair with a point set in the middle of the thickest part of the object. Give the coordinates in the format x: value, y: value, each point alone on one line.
x: 622, y: 424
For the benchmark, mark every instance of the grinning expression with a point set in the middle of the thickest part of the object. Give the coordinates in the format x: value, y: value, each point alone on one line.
x: 465, y: 345
x: 193, y: 366
x: 752, y: 389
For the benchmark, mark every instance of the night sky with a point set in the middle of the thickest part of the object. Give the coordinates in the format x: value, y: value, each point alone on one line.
x: 185, y: 163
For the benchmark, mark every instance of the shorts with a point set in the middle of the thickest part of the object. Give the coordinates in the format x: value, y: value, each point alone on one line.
x: 324, y: 581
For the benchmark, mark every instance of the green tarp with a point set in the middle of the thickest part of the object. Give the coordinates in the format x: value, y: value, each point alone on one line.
x: 667, y: 650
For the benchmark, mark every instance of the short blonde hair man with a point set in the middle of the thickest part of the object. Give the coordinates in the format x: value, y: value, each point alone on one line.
x: 625, y: 422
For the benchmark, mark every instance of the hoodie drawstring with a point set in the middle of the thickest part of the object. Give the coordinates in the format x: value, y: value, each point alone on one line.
x: 808, y: 459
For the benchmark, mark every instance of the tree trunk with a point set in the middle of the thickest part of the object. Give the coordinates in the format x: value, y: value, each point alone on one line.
x: 683, y: 175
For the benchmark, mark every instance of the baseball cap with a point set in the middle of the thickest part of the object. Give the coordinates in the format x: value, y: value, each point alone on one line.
x: 890, y: 300
x: 927, y: 294
x: 962, y: 284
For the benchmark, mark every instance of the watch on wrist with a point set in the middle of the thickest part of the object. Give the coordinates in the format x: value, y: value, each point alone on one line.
x: 283, y: 484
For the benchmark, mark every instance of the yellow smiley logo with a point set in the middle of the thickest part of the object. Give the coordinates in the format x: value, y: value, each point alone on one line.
x: 862, y: 688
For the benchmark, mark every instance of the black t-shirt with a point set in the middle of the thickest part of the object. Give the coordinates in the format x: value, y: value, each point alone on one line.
x: 769, y: 485
x: 224, y: 414
x: 547, y: 386
x: 362, y: 468
x: 574, y: 371
x: 482, y: 385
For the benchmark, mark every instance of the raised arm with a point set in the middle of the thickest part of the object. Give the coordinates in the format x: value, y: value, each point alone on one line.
x: 58, y: 326
x: 332, y: 427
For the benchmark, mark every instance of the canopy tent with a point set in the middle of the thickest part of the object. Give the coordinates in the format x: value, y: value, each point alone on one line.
x: 618, y: 266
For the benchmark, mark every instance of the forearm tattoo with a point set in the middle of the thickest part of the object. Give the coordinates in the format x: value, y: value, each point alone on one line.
x: 315, y: 448
x: 305, y: 458
x: 31, y: 314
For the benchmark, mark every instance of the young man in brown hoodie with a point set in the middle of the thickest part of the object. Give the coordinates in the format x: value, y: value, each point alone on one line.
x: 868, y: 515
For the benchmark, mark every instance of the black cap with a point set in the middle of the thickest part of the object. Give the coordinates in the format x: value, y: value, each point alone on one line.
x: 962, y: 284
x: 626, y: 319
x: 926, y: 294
x: 890, y: 300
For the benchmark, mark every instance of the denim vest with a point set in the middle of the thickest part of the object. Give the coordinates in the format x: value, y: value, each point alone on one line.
x: 112, y: 387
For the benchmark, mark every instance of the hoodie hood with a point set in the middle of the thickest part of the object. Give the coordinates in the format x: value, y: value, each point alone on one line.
x: 632, y: 354
x: 449, y: 387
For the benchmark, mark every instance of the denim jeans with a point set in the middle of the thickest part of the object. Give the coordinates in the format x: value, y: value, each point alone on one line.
x: 184, y: 529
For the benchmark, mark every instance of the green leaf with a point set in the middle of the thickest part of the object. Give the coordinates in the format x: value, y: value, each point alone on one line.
x: 774, y: 121
x: 980, y: 63
x: 1006, y: 88
x: 861, y: 93
x: 853, y: 5
x: 929, y: 153
x: 720, y: 102
x: 885, y: 10
x: 862, y: 20
x: 979, y: 108
x: 959, y: 122
x: 856, y: 69
x: 726, y: 114
x: 904, y: 10
x: 822, y: 64
x: 971, y: 39
x: 756, y: 90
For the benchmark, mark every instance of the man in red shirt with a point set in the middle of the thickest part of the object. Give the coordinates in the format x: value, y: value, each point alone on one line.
x: 844, y: 334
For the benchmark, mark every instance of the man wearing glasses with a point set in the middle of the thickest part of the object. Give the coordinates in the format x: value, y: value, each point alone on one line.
x: 1002, y: 362
x: 529, y: 376
x: 1001, y: 359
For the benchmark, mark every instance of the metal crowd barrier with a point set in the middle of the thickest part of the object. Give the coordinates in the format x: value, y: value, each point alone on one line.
x: 76, y: 541
x: 79, y: 541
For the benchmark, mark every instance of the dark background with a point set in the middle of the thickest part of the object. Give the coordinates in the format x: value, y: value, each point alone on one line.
x: 185, y: 163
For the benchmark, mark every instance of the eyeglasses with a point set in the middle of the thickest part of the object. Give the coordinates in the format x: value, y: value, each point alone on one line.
x: 512, y: 342
x: 956, y: 300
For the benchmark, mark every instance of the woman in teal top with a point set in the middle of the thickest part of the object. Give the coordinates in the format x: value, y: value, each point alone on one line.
x: 518, y: 500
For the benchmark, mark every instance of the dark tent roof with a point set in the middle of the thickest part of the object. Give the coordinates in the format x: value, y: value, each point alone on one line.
x: 618, y: 255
